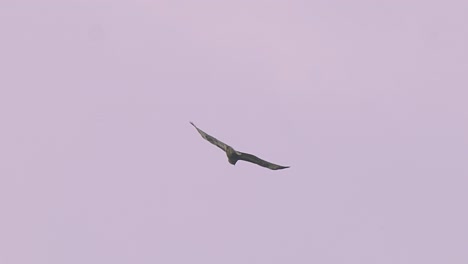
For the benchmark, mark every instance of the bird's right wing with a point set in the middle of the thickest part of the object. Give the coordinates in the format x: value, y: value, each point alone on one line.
x: 254, y: 159
x: 211, y: 139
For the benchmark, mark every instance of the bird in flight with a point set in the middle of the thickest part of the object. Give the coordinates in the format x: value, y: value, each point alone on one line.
x: 234, y: 156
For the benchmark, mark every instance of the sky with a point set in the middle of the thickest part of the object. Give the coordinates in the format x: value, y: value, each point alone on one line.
x: 366, y: 101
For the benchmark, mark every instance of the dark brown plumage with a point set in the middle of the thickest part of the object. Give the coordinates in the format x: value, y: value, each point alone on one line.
x: 234, y: 156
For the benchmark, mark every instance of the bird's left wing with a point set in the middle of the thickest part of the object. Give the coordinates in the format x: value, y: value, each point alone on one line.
x: 254, y: 159
x: 211, y: 139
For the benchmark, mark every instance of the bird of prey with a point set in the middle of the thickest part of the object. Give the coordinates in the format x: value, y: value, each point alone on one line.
x: 234, y: 156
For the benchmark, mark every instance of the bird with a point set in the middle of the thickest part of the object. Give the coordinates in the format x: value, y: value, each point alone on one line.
x: 234, y: 155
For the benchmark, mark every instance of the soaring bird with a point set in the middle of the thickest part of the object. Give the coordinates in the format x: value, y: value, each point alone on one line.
x: 234, y: 156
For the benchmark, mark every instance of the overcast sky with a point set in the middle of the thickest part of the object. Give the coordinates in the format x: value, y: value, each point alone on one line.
x: 366, y: 101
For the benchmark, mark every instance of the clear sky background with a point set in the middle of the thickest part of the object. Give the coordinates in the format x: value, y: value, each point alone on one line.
x: 366, y: 101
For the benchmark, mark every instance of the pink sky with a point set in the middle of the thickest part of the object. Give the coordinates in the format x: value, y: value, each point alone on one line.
x: 367, y: 102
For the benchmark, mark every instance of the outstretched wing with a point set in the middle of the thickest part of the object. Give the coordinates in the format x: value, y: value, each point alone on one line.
x: 259, y: 161
x: 211, y: 139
